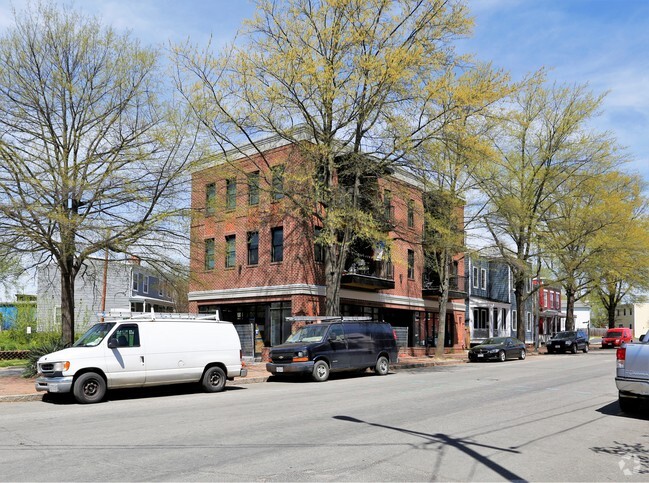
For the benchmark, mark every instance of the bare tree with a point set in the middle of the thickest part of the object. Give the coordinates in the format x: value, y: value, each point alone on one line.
x: 90, y: 159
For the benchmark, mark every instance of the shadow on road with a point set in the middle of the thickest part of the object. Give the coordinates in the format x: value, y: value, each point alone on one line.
x: 460, y: 444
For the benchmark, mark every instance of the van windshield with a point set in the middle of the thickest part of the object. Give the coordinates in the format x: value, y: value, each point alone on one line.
x: 95, y: 335
x: 309, y: 333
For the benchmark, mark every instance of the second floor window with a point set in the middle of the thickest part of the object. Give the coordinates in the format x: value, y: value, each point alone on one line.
x: 145, y: 284
x: 277, y: 247
x: 135, y: 281
x: 253, y: 188
x: 387, y: 206
x: 209, y: 254
x: 253, y: 248
x: 411, y: 213
x: 483, y: 279
x: 411, y: 264
x: 277, y: 188
x: 210, y: 198
x: 230, y: 251
x: 230, y: 194
x: 476, y: 281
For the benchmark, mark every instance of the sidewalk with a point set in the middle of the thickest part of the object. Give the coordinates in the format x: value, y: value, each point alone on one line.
x: 15, y: 388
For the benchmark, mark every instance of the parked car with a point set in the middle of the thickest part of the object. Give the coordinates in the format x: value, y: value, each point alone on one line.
x: 342, y: 345
x: 498, y: 349
x: 145, y: 350
x: 632, y: 375
x: 617, y: 337
x: 568, y: 341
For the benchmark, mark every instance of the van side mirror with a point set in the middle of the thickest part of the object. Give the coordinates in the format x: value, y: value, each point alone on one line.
x: 112, y: 343
x: 642, y: 338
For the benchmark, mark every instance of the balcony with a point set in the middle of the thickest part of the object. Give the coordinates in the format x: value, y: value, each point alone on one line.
x: 457, y: 286
x: 376, y: 275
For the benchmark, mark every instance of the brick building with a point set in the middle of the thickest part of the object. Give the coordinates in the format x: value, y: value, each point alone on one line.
x: 254, y: 256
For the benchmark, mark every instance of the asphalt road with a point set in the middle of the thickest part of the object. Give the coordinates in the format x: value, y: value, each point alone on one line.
x: 548, y: 418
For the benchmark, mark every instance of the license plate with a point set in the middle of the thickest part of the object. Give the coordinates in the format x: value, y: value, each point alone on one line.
x: 480, y: 355
x: 557, y: 346
x: 280, y: 369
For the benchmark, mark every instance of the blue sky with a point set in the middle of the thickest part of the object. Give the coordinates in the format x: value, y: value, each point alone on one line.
x: 604, y: 43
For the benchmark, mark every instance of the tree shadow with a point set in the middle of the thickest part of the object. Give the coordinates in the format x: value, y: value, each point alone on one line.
x: 458, y: 443
x: 634, y: 458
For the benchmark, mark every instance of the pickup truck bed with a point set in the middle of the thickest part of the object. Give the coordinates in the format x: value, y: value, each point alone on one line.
x: 632, y: 379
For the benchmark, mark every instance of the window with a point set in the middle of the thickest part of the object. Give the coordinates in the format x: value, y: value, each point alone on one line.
x: 230, y: 251
x: 411, y: 213
x: 145, y: 285
x: 253, y: 248
x: 209, y: 254
x: 528, y: 318
x: 483, y: 279
x: 134, y: 281
x: 318, y: 247
x: 277, y: 188
x: 230, y: 194
x: 480, y: 318
x: 630, y: 311
x: 253, y: 188
x: 210, y: 199
x: 411, y: 264
x: 475, y: 277
x: 514, y: 321
x: 160, y: 288
x: 387, y: 205
x: 127, y: 336
x: 277, y: 247
x: 503, y: 319
x: 624, y: 312
x: 140, y: 282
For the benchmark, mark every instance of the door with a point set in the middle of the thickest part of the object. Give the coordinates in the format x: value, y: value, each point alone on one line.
x: 336, y: 347
x: 125, y: 364
x: 359, y: 345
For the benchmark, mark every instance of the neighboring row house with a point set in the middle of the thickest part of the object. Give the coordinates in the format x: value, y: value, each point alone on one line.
x: 634, y: 316
x: 254, y: 257
x: 491, y: 301
x: 129, y: 286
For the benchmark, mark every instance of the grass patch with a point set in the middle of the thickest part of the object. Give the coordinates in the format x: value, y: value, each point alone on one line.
x: 14, y: 362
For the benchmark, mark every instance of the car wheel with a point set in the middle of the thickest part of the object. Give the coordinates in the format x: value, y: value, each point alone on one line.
x: 522, y: 355
x: 214, y: 379
x: 502, y: 356
x: 382, y: 366
x: 585, y: 348
x: 89, y: 388
x: 627, y: 405
x: 320, y: 371
x: 573, y: 348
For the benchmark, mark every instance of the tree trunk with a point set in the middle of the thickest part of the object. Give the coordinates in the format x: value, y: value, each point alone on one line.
x: 333, y: 275
x: 611, y: 315
x: 520, y: 309
x: 570, y: 309
x: 443, y: 300
x: 67, y: 302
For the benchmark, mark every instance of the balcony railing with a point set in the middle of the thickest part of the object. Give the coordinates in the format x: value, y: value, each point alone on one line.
x: 375, y: 276
x: 457, y: 286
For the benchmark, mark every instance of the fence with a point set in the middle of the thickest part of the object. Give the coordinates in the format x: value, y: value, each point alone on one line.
x: 10, y: 355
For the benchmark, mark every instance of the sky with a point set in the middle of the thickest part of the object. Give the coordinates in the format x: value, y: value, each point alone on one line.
x: 604, y: 43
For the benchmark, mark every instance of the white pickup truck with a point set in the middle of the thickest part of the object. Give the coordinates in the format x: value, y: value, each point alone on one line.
x: 632, y: 379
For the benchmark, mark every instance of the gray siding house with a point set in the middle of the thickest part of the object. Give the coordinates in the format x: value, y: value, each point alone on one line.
x: 491, y: 304
x: 129, y: 286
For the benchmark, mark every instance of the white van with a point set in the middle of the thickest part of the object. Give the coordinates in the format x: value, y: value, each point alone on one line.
x: 144, y: 350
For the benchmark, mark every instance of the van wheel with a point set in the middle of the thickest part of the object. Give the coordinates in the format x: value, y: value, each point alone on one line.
x: 214, y: 379
x: 89, y: 388
x: 382, y: 366
x: 320, y: 371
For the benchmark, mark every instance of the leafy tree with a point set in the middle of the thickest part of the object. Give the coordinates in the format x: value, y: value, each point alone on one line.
x: 578, y: 228
x: 90, y: 159
x: 543, y: 142
x: 359, y: 75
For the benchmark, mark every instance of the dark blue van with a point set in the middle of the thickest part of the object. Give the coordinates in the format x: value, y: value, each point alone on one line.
x: 336, y: 345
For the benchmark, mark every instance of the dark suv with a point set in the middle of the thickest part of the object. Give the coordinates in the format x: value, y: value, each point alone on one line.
x: 320, y: 348
x: 569, y: 340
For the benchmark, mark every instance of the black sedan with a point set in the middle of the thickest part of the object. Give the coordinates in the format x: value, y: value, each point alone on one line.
x: 498, y: 349
x: 568, y: 340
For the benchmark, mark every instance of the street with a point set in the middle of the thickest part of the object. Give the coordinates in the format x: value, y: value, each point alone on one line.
x: 547, y: 418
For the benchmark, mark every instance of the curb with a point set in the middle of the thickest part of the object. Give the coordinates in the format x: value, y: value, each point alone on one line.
x: 259, y: 379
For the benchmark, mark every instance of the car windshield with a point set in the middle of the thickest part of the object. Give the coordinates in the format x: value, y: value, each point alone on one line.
x: 496, y: 340
x: 309, y: 333
x: 565, y: 335
x: 614, y: 333
x: 95, y: 335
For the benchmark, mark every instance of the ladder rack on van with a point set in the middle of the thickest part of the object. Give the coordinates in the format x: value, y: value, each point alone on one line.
x: 127, y: 314
x: 317, y: 319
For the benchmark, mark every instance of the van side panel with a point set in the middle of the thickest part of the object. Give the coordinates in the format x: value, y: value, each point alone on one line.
x: 360, y: 344
x: 180, y: 351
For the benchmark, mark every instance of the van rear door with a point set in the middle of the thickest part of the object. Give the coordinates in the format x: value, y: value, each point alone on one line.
x: 125, y: 364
